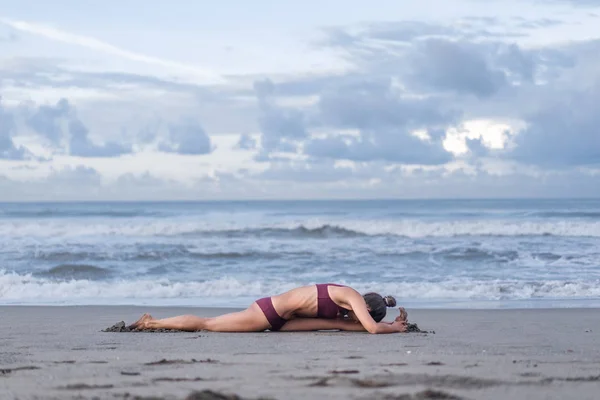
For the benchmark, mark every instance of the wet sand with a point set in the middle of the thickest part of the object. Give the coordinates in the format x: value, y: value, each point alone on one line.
x: 62, y: 353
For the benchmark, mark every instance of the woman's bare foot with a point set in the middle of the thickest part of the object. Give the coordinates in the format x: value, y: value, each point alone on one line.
x: 403, y: 315
x: 141, y: 323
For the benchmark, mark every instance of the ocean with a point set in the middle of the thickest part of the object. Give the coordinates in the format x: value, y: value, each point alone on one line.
x: 427, y: 253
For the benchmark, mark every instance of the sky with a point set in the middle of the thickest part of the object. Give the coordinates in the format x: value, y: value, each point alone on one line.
x: 198, y: 100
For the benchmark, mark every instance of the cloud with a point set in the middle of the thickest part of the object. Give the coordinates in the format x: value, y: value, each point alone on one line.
x: 80, y: 144
x: 455, y: 67
x: 53, y: 121
x: 303, y: 172
x: 68, y: 183
x: 246, y: 142
x: 76, y: 176
x: 10, y: 37
x: 392, y: 146
x: 487, y: 79
x: 8, y: 150
x: 281, y: 127
x: 100, y: 46
x: 564, y: 132
x: 385, y: 119
x: 582, y: 3
x: 187, y: 138
x: 46, y: 120
x: 382, y: 116
x: 410, y: 32
x: 427, y: 57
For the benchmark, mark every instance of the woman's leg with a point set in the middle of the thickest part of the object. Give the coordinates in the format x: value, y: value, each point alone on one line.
x: 250, y: 320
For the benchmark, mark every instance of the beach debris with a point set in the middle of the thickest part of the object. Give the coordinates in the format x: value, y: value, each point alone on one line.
x: 414, y: 328
x: 85, y: 386
x: 130, y: 373
x: 7, y: 371
x: 424, y: 395
x: 435, y: 363
x: 530, y: 374
x: 592, y: 378
x: 320, y: 383
x: 164, y: 361
x: 344, y: 371
x: 371, y: 383
x: 212, y: 395
x: 170, y: 379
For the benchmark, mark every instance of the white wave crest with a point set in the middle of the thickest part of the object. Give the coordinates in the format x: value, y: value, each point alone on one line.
x: 227, y: 291
x: 407, y: 228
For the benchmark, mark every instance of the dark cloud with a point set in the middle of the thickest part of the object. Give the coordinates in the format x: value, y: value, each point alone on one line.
x: 517, y: 63
x: 382, y: 116
x: 80, y: 144
x: 412, y: 76
x: 187, y: 138
x: 391, y: 146
x: 281, y: 127
x: 428, y: 57
x: 8, y: 150
x: 384, y: 119
x: 47, y: 120
x: 246, y: 142
x: 456, y: 67
x: 53, y: 121
x: 373, y: 103
x: 564, y: 132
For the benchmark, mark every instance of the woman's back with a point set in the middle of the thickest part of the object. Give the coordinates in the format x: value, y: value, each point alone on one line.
x: 304, y: 301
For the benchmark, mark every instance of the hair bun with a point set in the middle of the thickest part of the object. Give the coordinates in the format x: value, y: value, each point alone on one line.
x: 390, y: 301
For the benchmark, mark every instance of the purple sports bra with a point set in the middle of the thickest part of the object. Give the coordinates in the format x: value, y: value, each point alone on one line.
x: 326, y: 308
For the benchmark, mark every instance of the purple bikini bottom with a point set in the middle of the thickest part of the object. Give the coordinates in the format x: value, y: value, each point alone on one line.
x: 266, y: 305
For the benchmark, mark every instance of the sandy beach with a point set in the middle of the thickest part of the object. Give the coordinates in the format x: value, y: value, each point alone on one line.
x: 61, y: 353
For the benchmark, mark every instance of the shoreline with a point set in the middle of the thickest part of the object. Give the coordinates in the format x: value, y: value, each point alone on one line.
x: 61, y: 353
x: 466, y: 305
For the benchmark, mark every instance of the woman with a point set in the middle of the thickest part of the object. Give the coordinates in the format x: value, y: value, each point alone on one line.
x: 308, y: 308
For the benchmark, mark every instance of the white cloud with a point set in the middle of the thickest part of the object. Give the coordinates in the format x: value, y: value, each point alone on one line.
x: 493, y: 134
x: 196, y: 73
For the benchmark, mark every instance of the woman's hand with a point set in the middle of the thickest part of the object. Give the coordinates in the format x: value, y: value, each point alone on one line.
x: 399, y: 325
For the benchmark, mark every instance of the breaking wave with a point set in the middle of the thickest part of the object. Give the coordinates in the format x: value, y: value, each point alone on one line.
x: 75, y: 271
x: 22, y: 289
x: 309, y: 230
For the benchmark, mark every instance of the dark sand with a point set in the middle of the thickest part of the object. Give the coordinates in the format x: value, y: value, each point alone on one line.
x: 62, y: 353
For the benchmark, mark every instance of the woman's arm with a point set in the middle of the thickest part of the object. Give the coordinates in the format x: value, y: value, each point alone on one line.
x: 359, y: 307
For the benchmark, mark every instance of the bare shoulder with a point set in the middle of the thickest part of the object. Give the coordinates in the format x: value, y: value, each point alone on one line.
x: 347, y: 290
x: 344, y: 294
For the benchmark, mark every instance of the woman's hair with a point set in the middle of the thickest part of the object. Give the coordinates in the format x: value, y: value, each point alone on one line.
x: 377, y: 305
